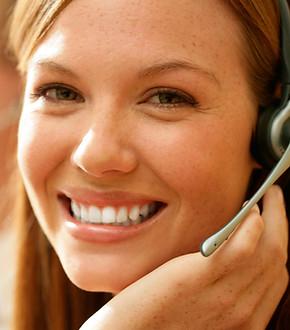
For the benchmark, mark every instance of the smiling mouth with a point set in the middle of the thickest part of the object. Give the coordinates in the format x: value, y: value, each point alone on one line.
x: 114, y: 215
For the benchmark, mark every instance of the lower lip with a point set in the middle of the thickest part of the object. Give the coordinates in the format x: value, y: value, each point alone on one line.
x: 102, y: 234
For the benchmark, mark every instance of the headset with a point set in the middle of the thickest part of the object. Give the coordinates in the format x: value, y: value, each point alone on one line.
x: 271, y: 142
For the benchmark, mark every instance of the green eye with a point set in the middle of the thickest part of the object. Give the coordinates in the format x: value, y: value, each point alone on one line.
x: 63, y: 94
x: 57, y: 93
x: 171, y: 98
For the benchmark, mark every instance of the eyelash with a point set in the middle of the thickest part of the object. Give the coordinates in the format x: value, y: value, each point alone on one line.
x: 171, y: 94
x: 44, y: 89
x: 184, y: 98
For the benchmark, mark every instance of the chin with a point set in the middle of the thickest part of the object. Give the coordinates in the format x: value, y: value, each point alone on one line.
x: 100, y: 282
x: 95, y: 275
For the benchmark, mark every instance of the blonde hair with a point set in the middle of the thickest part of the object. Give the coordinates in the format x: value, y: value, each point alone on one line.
x: 30, y: 21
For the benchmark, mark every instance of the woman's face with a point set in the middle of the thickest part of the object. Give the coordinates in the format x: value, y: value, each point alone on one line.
x: 134, y: 105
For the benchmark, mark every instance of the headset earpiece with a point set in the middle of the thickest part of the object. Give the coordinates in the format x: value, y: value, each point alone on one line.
x: 272, y: 135
x: 261, y: 143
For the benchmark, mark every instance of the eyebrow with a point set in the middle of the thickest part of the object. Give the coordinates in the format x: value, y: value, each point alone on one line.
x: 174, y: 65
x: 51, y: 65
x: 151, y: 70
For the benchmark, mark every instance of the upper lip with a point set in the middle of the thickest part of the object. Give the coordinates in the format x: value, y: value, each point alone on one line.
x: 88, y: 196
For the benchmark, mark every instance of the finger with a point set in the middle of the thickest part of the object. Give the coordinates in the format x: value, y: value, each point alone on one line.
x: 250, y: 295
x: 239, y: 247
x: 274, y: 214
x: 253, y: 278
x: 259, y: 313
x: 241, y: 244
x: 272, y: 250
x: 270, y: 254
x: 244, y: 242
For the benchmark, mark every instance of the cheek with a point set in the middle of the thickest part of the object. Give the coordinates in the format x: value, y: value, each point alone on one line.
x: 41, y: 147
x: 203, y: 164
x: 190, y: 154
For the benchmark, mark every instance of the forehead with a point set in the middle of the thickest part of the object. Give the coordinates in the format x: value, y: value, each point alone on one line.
x: 157, y: 14
x: 123, y: 30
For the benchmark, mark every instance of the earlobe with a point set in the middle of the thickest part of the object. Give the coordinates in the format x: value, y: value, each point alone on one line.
x: 277, y: 94
x: 256, y: 165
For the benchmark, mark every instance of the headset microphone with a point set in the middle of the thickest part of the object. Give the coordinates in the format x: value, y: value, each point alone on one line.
x: 272, y: 139
x: 213, y: 242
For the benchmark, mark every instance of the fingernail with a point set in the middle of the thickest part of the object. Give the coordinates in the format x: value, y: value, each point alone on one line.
x: 245, y: 203
x: 278, y: 191
x: 256, y: 208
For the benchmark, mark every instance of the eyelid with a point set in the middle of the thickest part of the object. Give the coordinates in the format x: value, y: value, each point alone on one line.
x: 163, y: 90
x: 42, y: 89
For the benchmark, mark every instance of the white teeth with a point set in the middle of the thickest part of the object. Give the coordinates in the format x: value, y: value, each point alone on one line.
x: 95, y: 214
x: 134, y: 213
x: 75, y: 209
x: 108, y: 215
x: 84, y: 214
x: 122, y: 215
x: 144, y: 210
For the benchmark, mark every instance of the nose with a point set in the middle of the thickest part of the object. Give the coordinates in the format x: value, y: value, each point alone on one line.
x: 105, y: 150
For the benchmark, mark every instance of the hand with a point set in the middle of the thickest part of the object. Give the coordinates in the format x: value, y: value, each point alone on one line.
x: 238, y: 287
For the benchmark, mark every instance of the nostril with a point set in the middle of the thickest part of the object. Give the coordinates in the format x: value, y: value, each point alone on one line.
x: 104, y: 156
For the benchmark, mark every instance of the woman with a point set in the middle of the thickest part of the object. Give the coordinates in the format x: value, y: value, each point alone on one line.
x: 134, y: 146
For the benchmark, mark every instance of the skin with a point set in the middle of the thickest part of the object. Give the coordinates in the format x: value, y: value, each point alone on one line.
x: 117, y: 145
